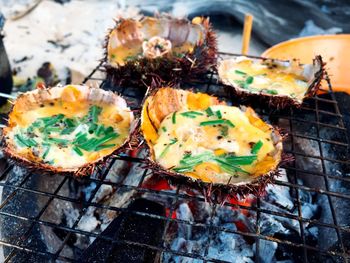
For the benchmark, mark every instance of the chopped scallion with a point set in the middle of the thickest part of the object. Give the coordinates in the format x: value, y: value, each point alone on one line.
x: 58, y: 141
x: 240, y: 72
x: 249, y: 80
x: 271, y: 91
x: 166, y: 149
x: 224, y: 131
x: 257, y: 146
x: 191, y: 114
x: 80, y: 137
x: 216, y: 122
x: 25, y: 142
x: 88, y: 145
x: 109, y: 130
x: 106, y: 138
x: 53, y: 129
x: 49, y: 121
x: 209, y: 111
x: 77, y: 150
x: 100, y: 129
x: 229, y: 167
x: 95, y: 112
x: 69, y: 122
x: 183, y: 169
x: 92, y: 128
x: 218, y: 114
x: 239, y: 160
x: 173, y: 117
x: 46, y: 152
x: 104, y: 146
x: 68, y: 130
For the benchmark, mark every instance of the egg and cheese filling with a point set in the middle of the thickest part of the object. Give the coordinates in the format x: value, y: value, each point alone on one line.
x: 219, y: 142
x: 69, y: 135
x: 269, y: 78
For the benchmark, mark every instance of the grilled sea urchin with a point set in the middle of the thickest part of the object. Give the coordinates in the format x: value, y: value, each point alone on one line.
x: 66, y: 129
x: 196, y: 137
x: 170, y: 48
x: 278, y: 83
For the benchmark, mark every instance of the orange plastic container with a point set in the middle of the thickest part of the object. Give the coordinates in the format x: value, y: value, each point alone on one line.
x: 334, y: 49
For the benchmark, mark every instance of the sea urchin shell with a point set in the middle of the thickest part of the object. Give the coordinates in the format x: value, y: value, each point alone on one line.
x: 66, y: 129
x: 170, y: 48
x: 279, y: 84
x: 195, y: 137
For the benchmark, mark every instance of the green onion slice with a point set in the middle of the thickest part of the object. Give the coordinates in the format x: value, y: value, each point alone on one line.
x: 25, y: 142
x: 257, y: 146
x: 67, y: 130
x: 58, y: 141
x: 173, y: 117
x: 218, y: 114
x: 271, y: 91
x: 209, y: 111
x: 104, y: 146
x: 239, y: 72
x: 191, y: 114
x: 249, y: 80
x: 95, y: 112
x: 77, y: 150
x: 100, y: 129
x: 166, y: 149
x: 46, y: 152
x: 69, y: 122
x: 216, y: 122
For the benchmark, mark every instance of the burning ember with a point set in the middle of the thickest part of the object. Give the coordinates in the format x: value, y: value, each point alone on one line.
x: 232, y: 227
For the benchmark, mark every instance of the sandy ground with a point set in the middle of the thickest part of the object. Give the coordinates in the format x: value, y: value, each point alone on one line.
x: 72, y: 36
x: 69, y: 35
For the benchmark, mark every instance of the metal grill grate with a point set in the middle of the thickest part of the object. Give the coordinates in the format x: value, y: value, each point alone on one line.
x: 326, y: 116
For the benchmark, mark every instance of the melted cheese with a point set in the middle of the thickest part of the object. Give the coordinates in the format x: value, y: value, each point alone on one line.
x: 273, y: 77
x: 119, y: 55
x: 66, y: 157
x: 191, y: 137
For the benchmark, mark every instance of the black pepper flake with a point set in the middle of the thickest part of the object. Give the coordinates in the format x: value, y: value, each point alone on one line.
x: 42, y: 105
x: 229, y: 141
x: 219, y: 137
x: 214, y: 125
x: 251, y: 144
x: 52, y: 104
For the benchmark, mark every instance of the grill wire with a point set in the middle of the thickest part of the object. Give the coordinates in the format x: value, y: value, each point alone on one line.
x: 320, y: 106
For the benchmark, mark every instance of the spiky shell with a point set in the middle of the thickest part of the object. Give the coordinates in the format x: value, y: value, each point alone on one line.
x: 125, y: 66
x: 163, y: 101
x: 312, y: 72
x: 74, y: 96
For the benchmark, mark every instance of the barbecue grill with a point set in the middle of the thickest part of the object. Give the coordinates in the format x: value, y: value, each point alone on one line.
x: 145, y: 228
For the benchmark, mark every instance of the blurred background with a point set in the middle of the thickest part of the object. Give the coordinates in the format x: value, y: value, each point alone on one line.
x: 61, y: 40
